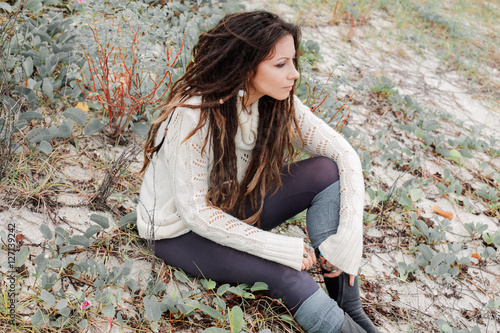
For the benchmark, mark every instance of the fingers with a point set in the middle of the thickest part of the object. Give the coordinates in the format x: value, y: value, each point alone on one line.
x: 306, y: 264
x: 333, y: 274
x: 333, y: 271
x: 312, y: 256
x: 309, y: 259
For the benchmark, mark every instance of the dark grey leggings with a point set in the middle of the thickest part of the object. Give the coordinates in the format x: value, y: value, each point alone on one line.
x: 201, y: 257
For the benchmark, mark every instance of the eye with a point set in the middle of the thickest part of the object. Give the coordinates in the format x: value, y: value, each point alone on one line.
x: 280, y: 65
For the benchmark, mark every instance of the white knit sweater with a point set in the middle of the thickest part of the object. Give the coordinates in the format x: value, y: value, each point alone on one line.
x: 172, y: 199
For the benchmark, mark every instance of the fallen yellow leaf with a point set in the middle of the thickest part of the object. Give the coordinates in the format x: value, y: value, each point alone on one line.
x: 437, y: 209
x: 475, y: 255
x: 82, y: 106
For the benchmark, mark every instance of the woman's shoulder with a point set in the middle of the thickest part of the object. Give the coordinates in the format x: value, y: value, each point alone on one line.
x: 189, y: 109
x: 298, y: 105
x: 190, y: 104
x: 185, y: 117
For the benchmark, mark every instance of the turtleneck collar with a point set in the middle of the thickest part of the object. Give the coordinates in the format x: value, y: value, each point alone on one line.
x: 248, y: 122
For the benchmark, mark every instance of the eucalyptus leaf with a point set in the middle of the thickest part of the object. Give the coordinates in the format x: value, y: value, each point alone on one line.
x: 109, y: 311
x: 47, y: 297
x: 21, y: 256
x: 77, y: 115
x: 422, y: 227
x: 46, y: 232
x: 169, y: 303
x: 181, y: 277
x: 61, y: 232
x: 55, y: 263
x: 61, y: 304
x: 236, y: 319
x: 65, y: 311
x: 119, y: 319
x: 258, y: 286
x: 426, y: 251
x: 220, y: 303
x: 140, y: 129
x: 437, y: 259
x: 152, y: 308
x: 28, y: 66
x: 47, y: 88
x: 30, y: 115
x: 83, y: 323
x: 454, y: 155
x: 79, y: 240
x: 208, y: 284
x: 443, y: 151
x: 405, y: 201
x: 39, y: 318
x: 222, y: 289
x: 211, y: 312
x: 416, y: 194
x: 41, y: 264
x: 48, y: 280
x: 5, y: 6
x: 188, y: 306
x: 66, y: 249
x: 42, y: 134
x: 94, y: 126
x: 129, y: 219
x: 63, y: 131
x: 101, y: 220
x: 132, y: 285
x: 45, y: 147
x: 92, y: 230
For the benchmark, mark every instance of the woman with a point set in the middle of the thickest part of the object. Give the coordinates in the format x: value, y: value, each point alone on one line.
x: 217, y: 176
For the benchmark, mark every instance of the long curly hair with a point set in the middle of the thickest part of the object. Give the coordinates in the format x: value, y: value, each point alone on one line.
x: 224, y: 61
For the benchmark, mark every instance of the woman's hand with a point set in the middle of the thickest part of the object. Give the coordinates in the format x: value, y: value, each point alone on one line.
x: 309, y: 258
x: 332, y: 270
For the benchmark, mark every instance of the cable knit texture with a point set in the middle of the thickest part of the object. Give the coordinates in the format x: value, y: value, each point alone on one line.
x: 172, y: 199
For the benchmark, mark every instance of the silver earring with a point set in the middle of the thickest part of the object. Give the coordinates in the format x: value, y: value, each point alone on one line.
x: 241, y: 92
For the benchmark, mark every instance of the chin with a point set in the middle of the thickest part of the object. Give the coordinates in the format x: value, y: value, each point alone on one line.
x: 282, y: 97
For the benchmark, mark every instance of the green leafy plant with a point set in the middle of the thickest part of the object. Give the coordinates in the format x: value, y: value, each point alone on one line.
x: 450, y: 185
x: 441, y: 264
x: 382, y: 86
x: 44, y: 52
x: 9, y: 107
x: 488, y: 193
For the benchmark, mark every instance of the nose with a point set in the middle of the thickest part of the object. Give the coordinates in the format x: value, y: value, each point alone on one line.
x: 293, y: 74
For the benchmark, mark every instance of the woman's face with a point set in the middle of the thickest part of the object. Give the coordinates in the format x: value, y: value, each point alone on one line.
x: 275, y: 76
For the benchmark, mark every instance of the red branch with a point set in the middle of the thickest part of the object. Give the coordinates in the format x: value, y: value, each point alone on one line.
x: 113, y: 89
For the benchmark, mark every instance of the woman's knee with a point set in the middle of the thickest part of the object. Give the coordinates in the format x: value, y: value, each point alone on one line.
x: 324, y: 172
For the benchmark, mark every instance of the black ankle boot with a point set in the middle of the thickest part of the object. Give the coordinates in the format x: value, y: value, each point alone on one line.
x: 349, y: 300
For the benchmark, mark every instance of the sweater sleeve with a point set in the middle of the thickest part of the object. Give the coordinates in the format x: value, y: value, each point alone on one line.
x: 189, y: 166
x: 343, y: 249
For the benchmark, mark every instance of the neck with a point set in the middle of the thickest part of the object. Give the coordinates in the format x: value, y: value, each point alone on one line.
x: 252, y: 97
